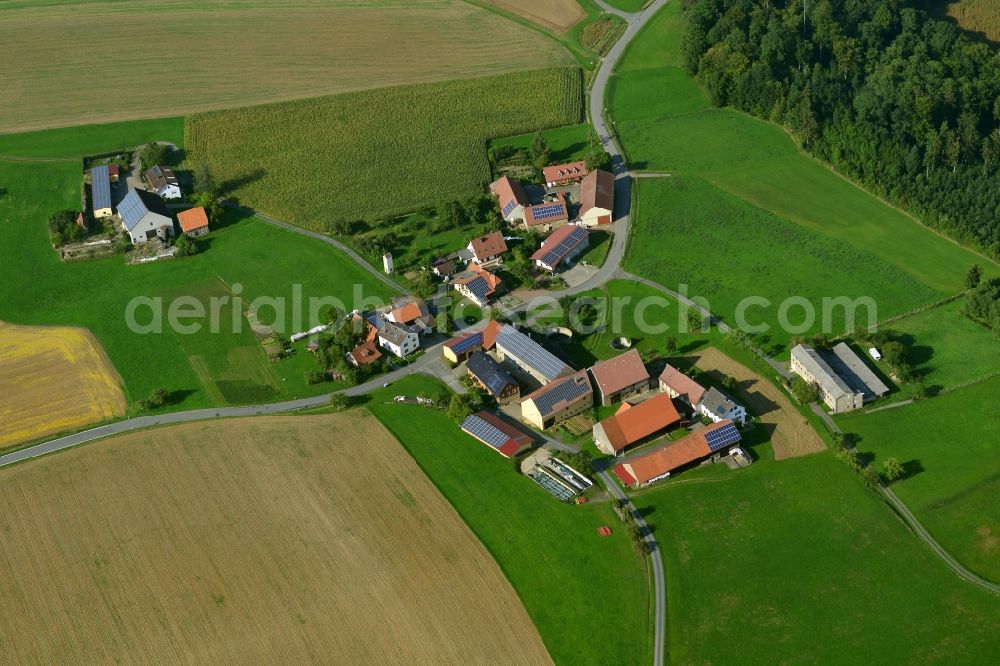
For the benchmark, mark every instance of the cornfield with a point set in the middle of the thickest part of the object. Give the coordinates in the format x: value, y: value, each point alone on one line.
x: 376, y: 153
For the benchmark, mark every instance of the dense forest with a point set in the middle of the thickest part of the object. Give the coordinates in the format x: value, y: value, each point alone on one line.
x: 902, y: 102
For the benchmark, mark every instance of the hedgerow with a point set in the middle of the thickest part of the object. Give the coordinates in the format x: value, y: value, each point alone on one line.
x: 375, y: 153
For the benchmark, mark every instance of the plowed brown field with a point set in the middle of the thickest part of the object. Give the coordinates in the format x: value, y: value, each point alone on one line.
x: 559, y: 15
x: 267, y: 540
x: 53, y: 379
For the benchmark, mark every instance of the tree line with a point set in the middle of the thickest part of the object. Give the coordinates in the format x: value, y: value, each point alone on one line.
x: 902, y: 102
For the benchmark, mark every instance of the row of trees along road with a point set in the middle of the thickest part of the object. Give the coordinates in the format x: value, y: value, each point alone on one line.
x: 903, y: 102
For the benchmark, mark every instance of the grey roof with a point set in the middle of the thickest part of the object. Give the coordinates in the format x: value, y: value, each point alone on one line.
x: 489, y: 372
x: 394, y: 333
x: 161, y: 176
x: 821, y: 371
x: 855, y: 372
x: 561, y: 393
x: 716, y: 402
x: 136, y: 204
x: 100, y: 187
x: 528, y: 353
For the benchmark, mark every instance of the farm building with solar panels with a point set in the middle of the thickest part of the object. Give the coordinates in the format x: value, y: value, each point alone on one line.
x: 462, y: 346
x: 597, y: 198
x: 565, y: 244
x: 558, y: 401
x: 499, y: 435
x: 163, y: 181
x: 546, y: 216
x: 620, y: 377
x: 659, y: 463
x: 510, y: 198
x: 559, y: 175
x: 517, y: 349
x: 100, y: 191
x: 488, y: 248
x: 633, y: 424
x: 493, y: 379
x: 145, y: 217
x: 477, y: 284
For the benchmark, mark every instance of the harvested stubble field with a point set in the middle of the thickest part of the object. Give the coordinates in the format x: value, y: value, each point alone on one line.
x: 559, y: 15
x: 982, y: 16
x: 77, y: 62
x: 288, y: 539
x: 790, y: 434
x: 376, y: 153
x: 53, y: 379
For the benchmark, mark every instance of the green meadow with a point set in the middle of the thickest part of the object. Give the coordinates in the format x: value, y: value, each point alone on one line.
x: 797, y: 562
x: 587, y: 595
x: 200, y: 369
x: 744, y: 201
x: 950, y: 449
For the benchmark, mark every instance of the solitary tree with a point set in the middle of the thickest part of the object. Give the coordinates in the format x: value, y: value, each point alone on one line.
x: 974, y: 276
x: 670, y: 345
x: 892, y: 469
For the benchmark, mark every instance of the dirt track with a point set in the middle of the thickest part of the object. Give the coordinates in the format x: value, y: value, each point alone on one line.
x: 791, y: 435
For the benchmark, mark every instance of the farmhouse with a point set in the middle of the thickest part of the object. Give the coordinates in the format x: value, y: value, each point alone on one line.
x: 477, y: 284
x: 620, y: 377
x: 144, y: 216
x: 163, y: 181
x: 633, y: 423
x: 597, y: 198
x: 364, y: 354
x: 835, y: 393
x: 510, y: 197
x: 564, y: 244
x: 564, y: 174
x: 444, y: 268
x: 530, y: 357
x: 413, y: 313
x: 493, y: 379
x: 193, y: 221
x: 717, y: 407
x: 497, y: 434
x: 661, y: 462
x: 400, y: 339
x: 100, y: 191
x: 461, y: 347
x: 488, y: 248
x: 546, y: 216
x: 560, y: 400
x: 676, y: 384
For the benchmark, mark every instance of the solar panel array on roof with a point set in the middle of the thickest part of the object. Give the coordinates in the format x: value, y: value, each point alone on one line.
x: 489, y: 372
x: 509, y: 207
x: 529, y: 353
x: 722, y: 437
x: 550, y: 210
x: 566, y: 390
x: 554, y: 255
x: 485, y: 432
x: 100, y: 187
x: 131, y: 210
x: 479, y: 288
x: 462, y: 346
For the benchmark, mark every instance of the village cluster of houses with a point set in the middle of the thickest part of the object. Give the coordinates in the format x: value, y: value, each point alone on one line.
x: 398, y: 328
x: 143, y: 212
x: 499, y: 355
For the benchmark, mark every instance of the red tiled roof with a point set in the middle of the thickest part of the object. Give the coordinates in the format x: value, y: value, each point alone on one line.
x: 558, y: 172
x: 476, y: 271
x: 112, y: 169
x: 620, y: 372
x: 529, y: 214
x: 506, y: 190
x: 489, y: 245
x: 490, y: 334
x: 597, y: 191
x: 192, y: 219
x: 623, y: 474
x: 406, y: 313
x: 683, y: 384
x: 554, y: 239
x: 671, y: 456
x: 518, y: 439
x: 633, y: 423
x: 366, y: 353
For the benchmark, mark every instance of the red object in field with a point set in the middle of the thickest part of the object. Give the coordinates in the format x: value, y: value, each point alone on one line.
x: 604, y: 531
x: 581, y: 500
